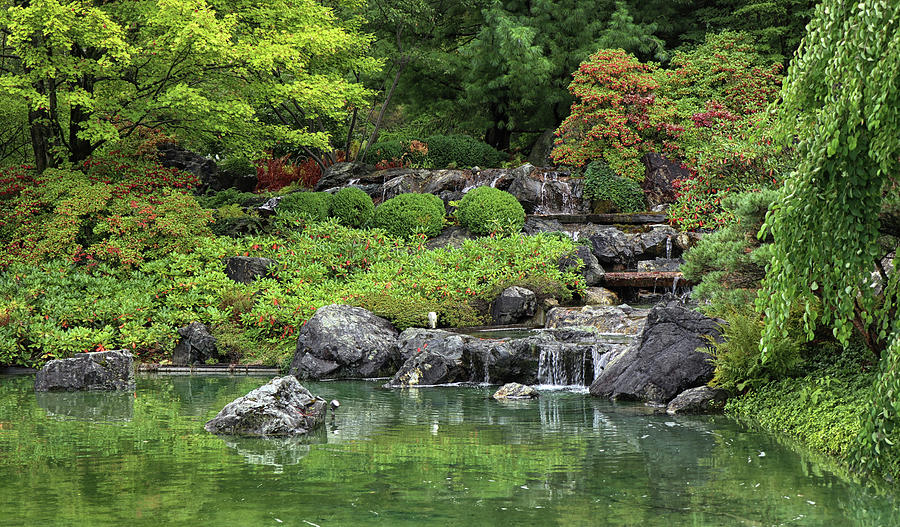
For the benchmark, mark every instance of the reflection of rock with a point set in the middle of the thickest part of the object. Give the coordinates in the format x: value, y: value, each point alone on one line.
x: 702, y: 399
x: 515, y: 390
x: 87, y: 406
x: 101, y: 370
x: 280, y: 407
x: 275, y: 451
x: 343, y: 341
x: 666, y: 361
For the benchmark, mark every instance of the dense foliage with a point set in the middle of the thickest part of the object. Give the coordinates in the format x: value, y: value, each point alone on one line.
x: 601, y: 184
x: 849, y: 152
x: 411, y: 215
x: 352, y: 207
x: 315, y: 205
x: 487, y: 210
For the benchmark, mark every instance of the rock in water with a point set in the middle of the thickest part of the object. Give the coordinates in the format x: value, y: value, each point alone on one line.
x: 343, y: 342
x: 100, y: 370
x: 667, y: 360
x: 279, y: 408
x: 515, y: 390
x: 196, y: 345
x: 700, y: 400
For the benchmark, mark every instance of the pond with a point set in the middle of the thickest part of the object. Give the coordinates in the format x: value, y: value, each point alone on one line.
x: 438, y: 456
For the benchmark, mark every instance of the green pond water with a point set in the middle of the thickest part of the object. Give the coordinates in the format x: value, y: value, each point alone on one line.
x: 437, y: 456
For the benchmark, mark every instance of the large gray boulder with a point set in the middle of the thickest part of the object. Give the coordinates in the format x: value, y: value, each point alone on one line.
x: 515, y: 304
x: 590, y: 266
x: 345, y: 342
x: 197, y: 345
x: 100, y: 370
x: 340, y: 174
x: 668, y: 359
x: 621, y: 319
x: 279, y: 408
x: 699, y: 400
x: 620, y: 250
x: 661, y: 173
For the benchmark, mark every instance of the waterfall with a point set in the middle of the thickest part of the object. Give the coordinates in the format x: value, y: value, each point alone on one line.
x: 675, y: 284
x: 353, y: 182
x: 551, y: 369
x: 600, y: 360
x: 669, y: 248
x: 487, y: 373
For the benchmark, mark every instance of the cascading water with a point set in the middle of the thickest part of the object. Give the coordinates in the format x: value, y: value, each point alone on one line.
x: 669, y: 248
x: 551, y: 370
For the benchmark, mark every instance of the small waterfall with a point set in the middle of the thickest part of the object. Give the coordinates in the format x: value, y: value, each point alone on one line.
x: 675, y: 284
x: 551, y: 369
x: 353, y: 182
x: 487, y: 373
x: 669, y: 249
x: 495, y: 180
x: 600, y: 360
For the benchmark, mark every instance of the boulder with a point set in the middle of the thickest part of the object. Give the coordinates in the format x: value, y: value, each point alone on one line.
x: 340, y: 174
x: 279, y: 408
x: 515, y: 390
x: 621, y: 250
x: 661, y: 173
x: 607, y: 319
x: 245, y: 269
x: 171, y: 155
x: 514, y: 304
x: 100, y: 370
x: 548, y: 191
x: 452, y: 236
x: 541, y: 148
x: 699, y: 400
x: 660, y: 265
x: 600, y: 296
x: 668, y: 358
x: 345, y: 342
x: 590, y: 266
x: 536, y: 224
x: 197, y: 345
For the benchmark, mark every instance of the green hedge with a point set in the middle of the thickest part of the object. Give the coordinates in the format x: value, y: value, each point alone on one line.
x: 409, y: 214
x: 485, y: 210
x: 316, y: 205
x: 462, y: 151
x: 602, y: 184
x: 352, y: 207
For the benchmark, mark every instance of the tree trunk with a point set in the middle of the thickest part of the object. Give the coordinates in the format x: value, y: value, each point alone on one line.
x: 80, y: 149
x: 498, y: 137
x: 387, y: 100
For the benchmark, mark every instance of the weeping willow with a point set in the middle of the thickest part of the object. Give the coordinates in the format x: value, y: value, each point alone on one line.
x: 841, y: 108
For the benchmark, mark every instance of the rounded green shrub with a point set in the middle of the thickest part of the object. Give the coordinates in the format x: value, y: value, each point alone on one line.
x: 409, y: 214
x: 461, y: 151
x: 352, y: 207
x: 316, y: 205
x: 484, y: 210
x: 602, y: 184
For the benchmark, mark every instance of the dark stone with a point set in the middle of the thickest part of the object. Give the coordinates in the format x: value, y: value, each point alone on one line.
x: 345, y: 342
x: 279, y: 408
x: 452, y: 236
x: 196, y: 345
x: 621, y: 250
x: 540, y: 150
x: 590, y: 269
x: 536, y: 224
x: 171, y: 155
x: 611, y: 246
x: 515, y: 390
x: 340, y: 174
x: 101, y: 370
x: 658, y: 179
x: 514, y: 304
x: 700, y: 400
x: 245, y: 269
x: 548, y: 191
x: 667, y: 359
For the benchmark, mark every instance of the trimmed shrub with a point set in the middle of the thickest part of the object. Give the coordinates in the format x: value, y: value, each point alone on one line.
x: 485, y: 210
x: 602, y: 184
x: 316, y: 205
x: 352, y: 207
x: 409, y: 214
x: 461, y: 151
x: 230, y: 196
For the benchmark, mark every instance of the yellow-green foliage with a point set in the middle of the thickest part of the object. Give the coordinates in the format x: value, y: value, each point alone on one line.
x: 408, y: 215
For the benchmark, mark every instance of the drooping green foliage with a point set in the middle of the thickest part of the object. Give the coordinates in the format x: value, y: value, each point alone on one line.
x: 218, y: 73
x: 603, y: 185
x: 352, y: 207
x: 842, y: 103
x: 411, y: 214
x: 487, y: 210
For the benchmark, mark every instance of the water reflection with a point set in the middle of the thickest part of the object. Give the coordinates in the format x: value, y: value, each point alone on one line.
x: 276, y: 452
x: 87, y: 406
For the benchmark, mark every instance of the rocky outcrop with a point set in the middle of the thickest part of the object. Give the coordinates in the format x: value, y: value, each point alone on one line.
x: 341, y: 174
x: 245, y: 269
x: 197, y: 345
x: 171, y: 155
x: 514, y: 390
x: 345, y: 342
x: 658, y: 179
x: 100, y: 370
x: 590, y: 267
x: 621, y: 250
x: 699, y: 400
x: 279, y: 408
x: 668, y: 359
x: 514, y: 304
x: 607, y: 319
x: 660, y: 265
x: 600, y: 296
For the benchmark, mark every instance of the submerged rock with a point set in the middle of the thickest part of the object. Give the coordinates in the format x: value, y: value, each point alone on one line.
x: 196, y: 345
x: 702, y: 399
x: 345, y: 342
x: 280, y: 407
x: 667, y: 360
x: 514, y: 390
x: 100, y: 370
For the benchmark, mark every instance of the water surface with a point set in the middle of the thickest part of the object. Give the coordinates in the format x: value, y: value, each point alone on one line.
x: 437, y: 456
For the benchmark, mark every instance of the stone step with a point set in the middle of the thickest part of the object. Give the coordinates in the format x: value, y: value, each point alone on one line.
x: 643, y: 279
x: 640, y: 218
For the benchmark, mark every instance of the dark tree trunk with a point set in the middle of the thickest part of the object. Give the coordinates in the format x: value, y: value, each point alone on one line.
x: 498, y: 137
x: 80, y: 149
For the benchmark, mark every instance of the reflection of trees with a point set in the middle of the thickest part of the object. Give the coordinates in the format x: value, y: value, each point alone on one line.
x: 87, y: 406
